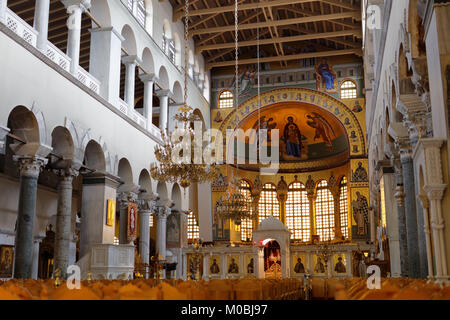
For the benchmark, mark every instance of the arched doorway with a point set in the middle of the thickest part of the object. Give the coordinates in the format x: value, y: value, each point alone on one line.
x: 272, y: 259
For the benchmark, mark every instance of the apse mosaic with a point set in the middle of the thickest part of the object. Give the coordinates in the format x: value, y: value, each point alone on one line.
x: 306, y: 132
x: 324, y: 120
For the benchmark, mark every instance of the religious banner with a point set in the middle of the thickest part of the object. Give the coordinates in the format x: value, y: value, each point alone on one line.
x: 132, y: 221
x: 110, y: 212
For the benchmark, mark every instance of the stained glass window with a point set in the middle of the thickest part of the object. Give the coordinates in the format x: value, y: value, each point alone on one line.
x: 343, y: 207
x: 226, y: 99
x: 246, y: 224
x: 324, y: 212
x: 193, y: 230
x: 268, y: 203
x: 297, y: 212
x: 348, y: 90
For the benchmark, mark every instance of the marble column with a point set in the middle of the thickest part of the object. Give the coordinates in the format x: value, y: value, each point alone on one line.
x: 3, y: 6
x: 411, y: 212
x: 30, y: 168
x: 35, y: 264
x: 75, y: 9
x: 147, y: 203
x: 104, y: 64
x: 435, y: 195
x: 163, y: 108
x: 41, y: 16
x: 123, y: 199
x: 426, y: 226
x: 400, y: 196
x: 63, y: 235
x: 161, y: 216
x: 148, y: 80
x: 337, y: 216
x: 130, y: 62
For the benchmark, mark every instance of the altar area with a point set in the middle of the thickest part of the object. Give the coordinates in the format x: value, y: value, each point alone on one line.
x: 271, y: 255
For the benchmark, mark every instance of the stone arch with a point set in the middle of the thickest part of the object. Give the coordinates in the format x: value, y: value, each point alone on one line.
x: 206, y: 88
x: 63, y: 147
x: 148, y: 62
x: 177, y: 44
x: 149, y: 16
x: 129, y: 44
x: 167, y: 29
x: 94, y: 157
x: 125, y: 172
x: 191, y: 61
x: 178, y: 92
x: 164, y: 78
x: 163, y: 194
x: 101, y: 11
x: 406, y: 86
x: 176, y: 196
x: 24, y: 124
x: 144, y: 181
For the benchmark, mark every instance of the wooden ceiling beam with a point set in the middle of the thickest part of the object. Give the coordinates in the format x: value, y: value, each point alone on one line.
x: 318, y: 54
x: 259, y: 4
x: 303, y: 37
x: 315, y: 18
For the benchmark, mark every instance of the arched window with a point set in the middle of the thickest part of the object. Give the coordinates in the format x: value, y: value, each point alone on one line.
x: 225, y: 99
x: 193, y: 231
x: 141, y: 12
x: 324, y: 212
x: 246, y: 224
x: 297, y: 212
x: 348, y: 90
x: 268, y: 203
x: 137, y: 9
x: 343, y: 207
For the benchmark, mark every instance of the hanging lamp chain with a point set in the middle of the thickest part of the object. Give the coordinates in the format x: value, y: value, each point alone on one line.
x: 186, y: 49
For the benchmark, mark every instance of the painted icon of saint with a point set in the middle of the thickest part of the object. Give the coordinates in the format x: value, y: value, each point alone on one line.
x: 292, y: 138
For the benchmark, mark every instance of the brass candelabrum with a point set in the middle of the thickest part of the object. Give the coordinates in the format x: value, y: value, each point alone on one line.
x: 197, y: 257
x: 157, y: 262
x: 324, y: 252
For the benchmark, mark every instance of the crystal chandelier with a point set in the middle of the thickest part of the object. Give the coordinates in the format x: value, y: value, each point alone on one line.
x: 235, y: 205
x: 168, y: 170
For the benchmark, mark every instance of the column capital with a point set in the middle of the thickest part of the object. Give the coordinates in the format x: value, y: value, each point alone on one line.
x: 124, y: 197
x: 164, y: 93
x: 108, y: 29
x: 435, y: 191
x: 132, y: 59
x: 82, y: 4
x: 162, y: 212
x: 30, y: 166
x: 65, y: 173
x: 405, y: 148
x: 425, y: 202
x: 148, y: 77
x: 147, y: 202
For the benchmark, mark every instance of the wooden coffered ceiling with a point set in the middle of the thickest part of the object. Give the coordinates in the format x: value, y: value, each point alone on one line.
x: 289, y: 29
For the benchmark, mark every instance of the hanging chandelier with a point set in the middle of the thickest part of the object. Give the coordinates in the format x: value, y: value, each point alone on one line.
x: 235, y: 205
x: 183, y: 172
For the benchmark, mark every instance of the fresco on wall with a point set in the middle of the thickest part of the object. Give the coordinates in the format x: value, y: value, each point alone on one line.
x: 306, y: 132
x: 173, y: 230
